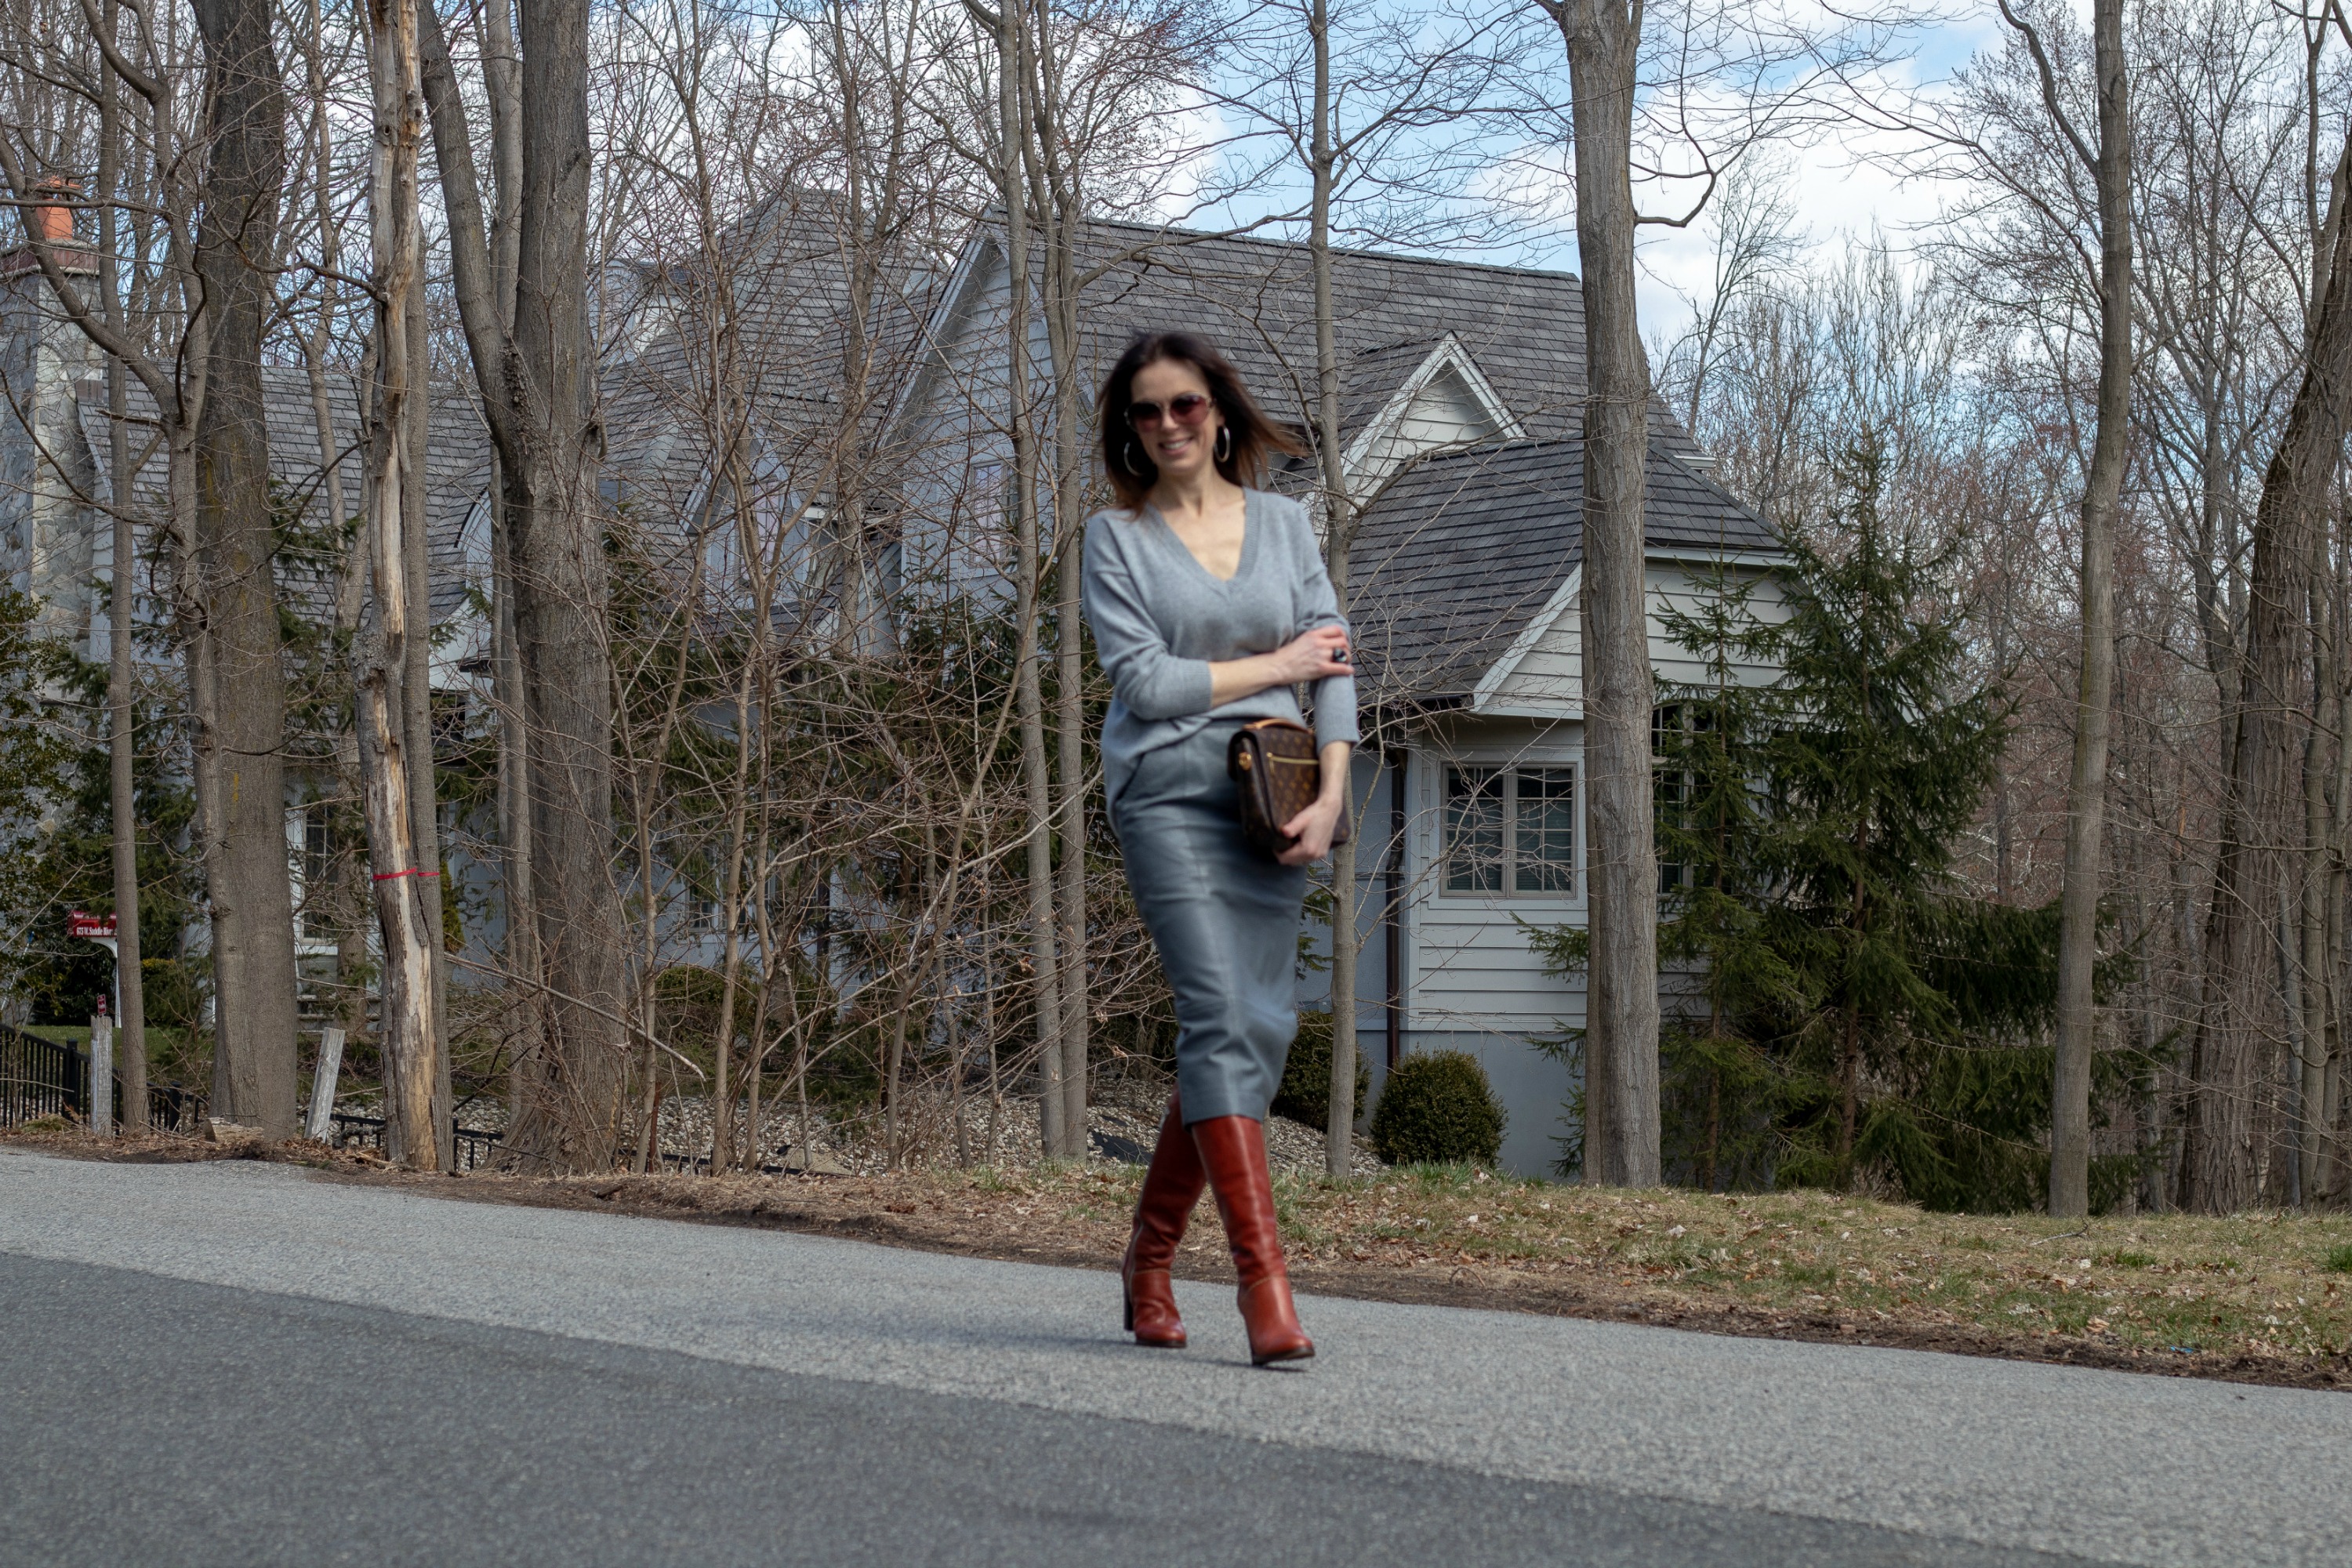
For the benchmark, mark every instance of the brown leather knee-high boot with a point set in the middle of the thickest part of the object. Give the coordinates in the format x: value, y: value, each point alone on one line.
x: 1232, y: 1147
x: 1171, y: 1186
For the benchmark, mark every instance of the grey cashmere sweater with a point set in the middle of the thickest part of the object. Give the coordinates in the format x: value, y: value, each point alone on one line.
x: 1160, y: 620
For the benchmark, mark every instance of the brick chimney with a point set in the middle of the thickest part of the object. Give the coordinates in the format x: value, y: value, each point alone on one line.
x: 48, y: 532
x: 49, y: 223
x: 52, y: 220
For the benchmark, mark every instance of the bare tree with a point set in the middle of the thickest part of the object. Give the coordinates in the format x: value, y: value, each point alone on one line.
x: 1620, y: 1093
x: 2109, y: 167
x: 535, y: 380
x: 407, y: 900
x: 2263, y: 821
x: 122, y: 609
x: 206, y: 388
x: 236, y: 255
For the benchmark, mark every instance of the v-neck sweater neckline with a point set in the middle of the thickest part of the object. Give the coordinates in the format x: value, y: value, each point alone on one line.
x: 1250, y: 532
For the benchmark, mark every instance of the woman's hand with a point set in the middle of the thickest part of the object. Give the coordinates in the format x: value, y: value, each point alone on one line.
x: 1311, y: 655
x: 1314, y: 827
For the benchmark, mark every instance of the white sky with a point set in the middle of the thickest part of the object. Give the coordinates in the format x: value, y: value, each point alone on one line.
x: 1843, y: 197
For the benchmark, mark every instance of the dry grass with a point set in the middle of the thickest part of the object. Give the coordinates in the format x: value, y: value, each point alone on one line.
x: 2262, y: 1297
x: 2259, y: 1284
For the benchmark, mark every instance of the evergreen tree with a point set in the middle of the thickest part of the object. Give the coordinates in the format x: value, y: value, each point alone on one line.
x: 1716, y: 923
x: 35, y: 753
x: 1879, y: 751
x: 57, y: 825
x: 1843, y: 1003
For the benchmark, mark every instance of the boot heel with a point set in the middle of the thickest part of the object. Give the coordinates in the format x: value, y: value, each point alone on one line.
x: 1272, y: 1323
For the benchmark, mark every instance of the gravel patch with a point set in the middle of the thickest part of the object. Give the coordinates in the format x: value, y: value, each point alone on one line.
x: 1122, y: 1126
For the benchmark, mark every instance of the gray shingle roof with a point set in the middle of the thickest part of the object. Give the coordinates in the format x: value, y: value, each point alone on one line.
x: 1461, y: 551
x: 457, y: 469
x: 788, y: 267
x: 1254, y: 299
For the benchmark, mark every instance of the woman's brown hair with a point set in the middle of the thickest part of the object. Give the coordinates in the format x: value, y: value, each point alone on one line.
x: 1253, y: 437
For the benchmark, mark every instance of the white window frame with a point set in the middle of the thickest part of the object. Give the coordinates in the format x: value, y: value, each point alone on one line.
x: 1510, y: 770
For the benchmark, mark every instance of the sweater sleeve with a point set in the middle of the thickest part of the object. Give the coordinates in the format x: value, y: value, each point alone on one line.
x: 1318, y: 605
x: 1151, y: 680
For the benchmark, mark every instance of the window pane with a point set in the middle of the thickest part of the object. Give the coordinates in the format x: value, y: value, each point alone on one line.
x: 1474, y: 830
x: 1670, y: 733
x: 1545, y: 858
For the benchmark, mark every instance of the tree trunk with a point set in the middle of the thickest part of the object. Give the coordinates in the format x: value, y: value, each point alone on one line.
x: 416, y: 667
x: 1044, y: 947
x: 534, y: 378
x: 122, y: 690
x: 2224, y: 1166
x: 2315, y: 983
x: 405, y: 887
x: 1339, y: 535
x: 1059, y: 211
x: 247, y: 887
x: 1621, y: 1137
x: 1069, y: 721
x: 519, y: 909
x: 122, y: 614
x: 722, y: 1101
x: 2078, y: 931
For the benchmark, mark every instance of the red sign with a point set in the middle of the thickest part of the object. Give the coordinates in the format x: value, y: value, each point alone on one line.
x: 94, y: 927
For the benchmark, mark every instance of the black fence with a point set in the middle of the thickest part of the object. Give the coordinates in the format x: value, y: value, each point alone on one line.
x: 474, y: 1147
x: 774, y: 1163
x: 46, y: 1078
x: 41, y: 1078
x: 171, y: 1109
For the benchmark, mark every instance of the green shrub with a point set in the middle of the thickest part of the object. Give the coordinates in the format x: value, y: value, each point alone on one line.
x: 1306, y: 1091
x: 2339, y: 1261
x: 1438, y: 1110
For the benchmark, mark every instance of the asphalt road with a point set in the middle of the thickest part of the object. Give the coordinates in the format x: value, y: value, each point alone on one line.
x: 243, y: 1363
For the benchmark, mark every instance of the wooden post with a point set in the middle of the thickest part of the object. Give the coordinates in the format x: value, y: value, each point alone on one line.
x: 101, y: 1073
x: 321, y: 1123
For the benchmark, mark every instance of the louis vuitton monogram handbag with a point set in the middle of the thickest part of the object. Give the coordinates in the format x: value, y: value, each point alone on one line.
x: 1274, y: 762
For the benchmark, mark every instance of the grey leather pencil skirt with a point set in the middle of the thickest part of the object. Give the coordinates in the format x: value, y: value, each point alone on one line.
x: 1224, y: 919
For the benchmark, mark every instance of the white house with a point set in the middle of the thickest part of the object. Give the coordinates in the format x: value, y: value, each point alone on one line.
x: 1462, y: 396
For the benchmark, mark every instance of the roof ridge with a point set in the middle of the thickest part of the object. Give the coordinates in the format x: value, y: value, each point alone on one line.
x: 1389, y: 257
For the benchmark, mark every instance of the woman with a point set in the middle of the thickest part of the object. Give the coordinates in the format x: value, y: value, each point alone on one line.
x: 1209, y: 607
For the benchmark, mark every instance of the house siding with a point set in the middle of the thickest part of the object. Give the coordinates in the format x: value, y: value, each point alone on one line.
x: 1549, y: 674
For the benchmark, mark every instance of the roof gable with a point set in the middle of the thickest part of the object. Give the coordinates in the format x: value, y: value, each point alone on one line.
x: 1442, y: 402
x: 1466, y: 557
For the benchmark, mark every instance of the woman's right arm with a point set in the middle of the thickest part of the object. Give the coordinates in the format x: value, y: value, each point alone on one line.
x: 1312, y: 656
x: 1150, y: 679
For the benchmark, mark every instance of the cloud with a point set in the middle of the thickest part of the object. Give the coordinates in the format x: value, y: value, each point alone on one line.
x: 1843, y: 195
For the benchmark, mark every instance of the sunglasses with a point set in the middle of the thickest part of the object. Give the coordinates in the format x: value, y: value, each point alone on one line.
x: 1185, y: 408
